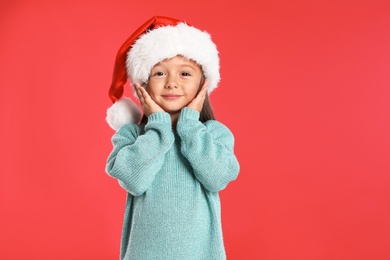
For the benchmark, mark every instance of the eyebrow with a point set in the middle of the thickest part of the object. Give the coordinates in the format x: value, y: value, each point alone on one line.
x: 180, y: 65
x: 188, y: 66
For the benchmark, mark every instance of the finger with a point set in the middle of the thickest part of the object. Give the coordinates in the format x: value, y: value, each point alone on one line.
x: 206, y: 83
x: 202, y: 94
x: 142, y: 99
x: 204, y: 88
x: 203, y: 91
x: 137, y: 89
x: 148, y: 103
x: 145, y: 94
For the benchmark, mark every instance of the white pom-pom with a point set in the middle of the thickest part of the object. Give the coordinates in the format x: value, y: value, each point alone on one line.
x: 123, y: 111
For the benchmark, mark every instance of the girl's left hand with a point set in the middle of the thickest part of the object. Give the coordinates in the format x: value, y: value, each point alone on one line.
x: 197, y: 102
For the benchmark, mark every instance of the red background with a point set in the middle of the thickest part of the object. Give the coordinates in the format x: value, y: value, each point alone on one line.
x: 305, y: 89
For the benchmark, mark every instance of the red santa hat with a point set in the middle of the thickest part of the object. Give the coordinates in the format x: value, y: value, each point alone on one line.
x: 158, y: 39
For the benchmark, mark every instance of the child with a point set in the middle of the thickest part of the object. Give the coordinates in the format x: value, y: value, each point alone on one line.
x: 176, y: 160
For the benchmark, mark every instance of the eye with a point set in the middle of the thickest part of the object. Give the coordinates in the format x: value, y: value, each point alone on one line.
x: 185, y: 74
x: 159, y: 74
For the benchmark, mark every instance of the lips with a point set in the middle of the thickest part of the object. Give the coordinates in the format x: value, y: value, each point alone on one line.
x: 171, y: 96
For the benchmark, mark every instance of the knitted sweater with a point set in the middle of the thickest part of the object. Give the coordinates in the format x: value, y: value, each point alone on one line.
x: 172, y: 181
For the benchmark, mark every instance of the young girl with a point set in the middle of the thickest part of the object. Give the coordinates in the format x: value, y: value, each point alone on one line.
x: 176, y: 160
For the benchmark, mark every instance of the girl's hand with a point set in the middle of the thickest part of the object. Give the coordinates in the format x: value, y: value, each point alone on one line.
x: 197, y: 102
x: 147, y: 103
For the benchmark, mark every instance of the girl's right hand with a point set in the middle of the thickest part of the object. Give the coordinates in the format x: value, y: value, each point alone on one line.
x: 147, y: 103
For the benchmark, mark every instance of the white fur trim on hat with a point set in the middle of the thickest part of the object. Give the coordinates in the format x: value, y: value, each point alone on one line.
x: 123, y: 111
x: 167, y: 42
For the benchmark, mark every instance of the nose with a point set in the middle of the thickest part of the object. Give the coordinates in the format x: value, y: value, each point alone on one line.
x: 171, y: 82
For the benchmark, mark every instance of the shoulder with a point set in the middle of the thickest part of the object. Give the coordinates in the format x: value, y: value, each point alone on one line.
x: 219, y: 131
x: 217, y: 127
x: 131, y: 131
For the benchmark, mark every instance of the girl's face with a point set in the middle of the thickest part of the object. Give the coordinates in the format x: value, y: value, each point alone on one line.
x: 174, y: 83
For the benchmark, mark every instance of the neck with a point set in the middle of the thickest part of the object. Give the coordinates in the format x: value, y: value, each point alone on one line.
x: 174, y: 118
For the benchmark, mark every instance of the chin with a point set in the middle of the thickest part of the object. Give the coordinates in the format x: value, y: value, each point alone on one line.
x: 172, y: 111
x: 171, y: 107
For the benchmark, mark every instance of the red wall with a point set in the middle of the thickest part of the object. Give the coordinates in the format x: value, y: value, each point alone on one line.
x: 305, y: 89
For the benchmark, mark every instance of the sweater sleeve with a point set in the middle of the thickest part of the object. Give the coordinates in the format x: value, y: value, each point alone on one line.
x: 209, y: 148
x: 136, y: 158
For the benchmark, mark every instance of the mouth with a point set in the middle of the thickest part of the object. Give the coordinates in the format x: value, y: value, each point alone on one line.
x: 171, y: 96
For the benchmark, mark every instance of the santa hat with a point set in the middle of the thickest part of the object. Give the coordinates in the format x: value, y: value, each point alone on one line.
x: 158, y: 39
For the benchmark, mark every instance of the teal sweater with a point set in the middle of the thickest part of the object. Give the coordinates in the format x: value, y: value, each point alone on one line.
x: 172, y: 181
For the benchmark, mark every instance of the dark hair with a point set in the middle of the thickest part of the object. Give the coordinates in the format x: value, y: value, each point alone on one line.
x: 206, y: 113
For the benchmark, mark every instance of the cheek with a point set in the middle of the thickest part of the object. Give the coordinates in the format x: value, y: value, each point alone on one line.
x: 193, y: 93
x: 152, y: 95
x: 151, y: 91
x: 195, y: 90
